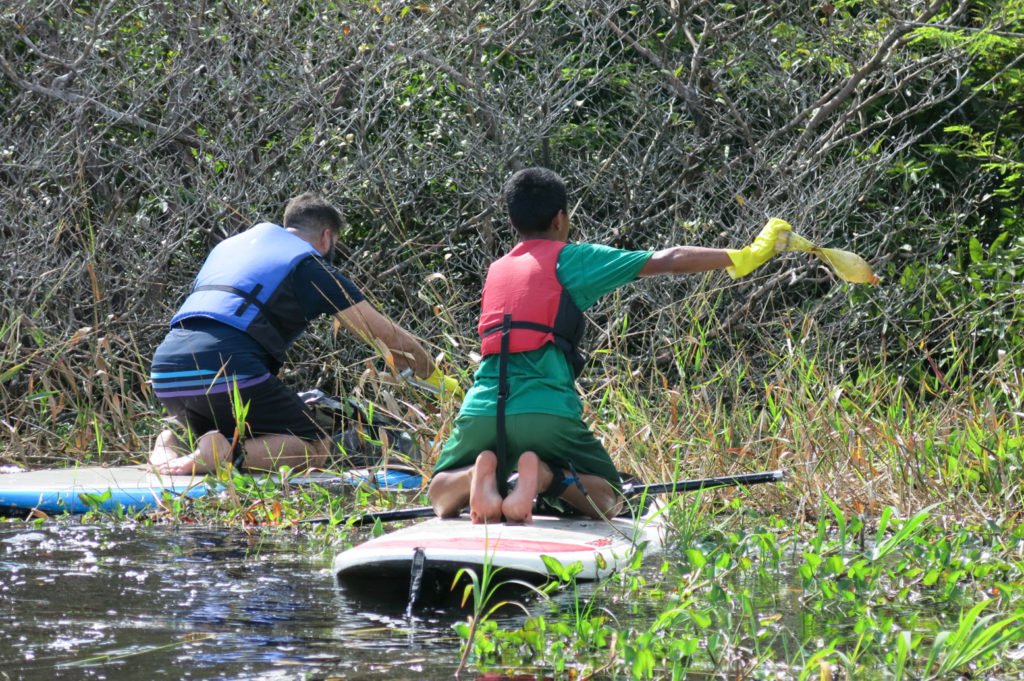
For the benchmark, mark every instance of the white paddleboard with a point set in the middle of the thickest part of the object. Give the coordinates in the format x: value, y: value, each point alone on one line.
x: 602, y: 547
x: 136, y: 488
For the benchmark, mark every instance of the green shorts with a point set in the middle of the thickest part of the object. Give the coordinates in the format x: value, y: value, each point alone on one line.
x: 557, y: 440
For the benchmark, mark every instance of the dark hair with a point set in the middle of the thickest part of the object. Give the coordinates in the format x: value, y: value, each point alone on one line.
x: 309, y: 212
x: 533, y: 197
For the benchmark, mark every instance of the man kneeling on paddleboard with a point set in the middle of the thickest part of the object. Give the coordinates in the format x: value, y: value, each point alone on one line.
x: 523, y: 412
x: 216, y: 370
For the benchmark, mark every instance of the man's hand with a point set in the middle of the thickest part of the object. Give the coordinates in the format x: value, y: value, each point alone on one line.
x: 399, y: 348
x: 746, y: 260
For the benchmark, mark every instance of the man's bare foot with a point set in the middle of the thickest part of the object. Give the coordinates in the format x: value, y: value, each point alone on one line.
x: 518, y: 505
x: 484, y: 500
x: 183, y: 465
x: 213, y: 450
x: 167, y: 447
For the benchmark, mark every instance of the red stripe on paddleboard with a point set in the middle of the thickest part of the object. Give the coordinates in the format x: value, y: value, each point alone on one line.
x: 477, y: 544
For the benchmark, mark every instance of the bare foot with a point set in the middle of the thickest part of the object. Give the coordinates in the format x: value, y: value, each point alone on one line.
x: 183, y: 465
x: 484, y: 500
x: 167, y: 447
x: 213, y: 450
x: 518, y: 505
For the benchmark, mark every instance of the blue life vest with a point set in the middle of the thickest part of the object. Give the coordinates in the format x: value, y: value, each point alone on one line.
x: 242, y: 284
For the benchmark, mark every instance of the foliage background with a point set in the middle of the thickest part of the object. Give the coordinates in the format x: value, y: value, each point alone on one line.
x: 134, y: 135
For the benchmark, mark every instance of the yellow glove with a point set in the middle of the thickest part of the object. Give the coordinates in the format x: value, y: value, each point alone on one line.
x: 749, y: 258
x: 446, y: 385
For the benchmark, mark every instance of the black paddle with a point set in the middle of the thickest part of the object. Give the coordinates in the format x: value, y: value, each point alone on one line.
x: 639, y: 489
x: 629, y: 490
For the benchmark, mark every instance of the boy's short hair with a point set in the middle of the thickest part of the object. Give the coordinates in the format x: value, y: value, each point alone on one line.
x: 533, y: 197
x: 310, y: 212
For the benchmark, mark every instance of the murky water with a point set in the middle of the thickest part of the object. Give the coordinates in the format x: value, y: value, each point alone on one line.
x: 124, y: 601
x: 119, y: 602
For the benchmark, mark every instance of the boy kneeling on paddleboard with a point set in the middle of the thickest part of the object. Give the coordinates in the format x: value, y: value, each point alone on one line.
x: 523, y: 408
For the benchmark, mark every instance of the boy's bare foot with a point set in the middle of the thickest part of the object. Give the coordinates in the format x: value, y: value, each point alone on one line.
x: 518, y: 505
x: 484, y: 501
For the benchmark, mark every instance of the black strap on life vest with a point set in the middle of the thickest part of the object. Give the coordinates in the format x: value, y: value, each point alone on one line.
x: 248, y: 298
x: 567, y: 347
x: 567, y: 331
x: 530, y: 326
x: 502, y: 477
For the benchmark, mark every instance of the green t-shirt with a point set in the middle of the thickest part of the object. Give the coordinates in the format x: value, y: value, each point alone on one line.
x: 541, y: 381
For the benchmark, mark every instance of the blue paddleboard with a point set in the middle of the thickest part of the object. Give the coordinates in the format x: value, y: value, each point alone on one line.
x: 138, y: 488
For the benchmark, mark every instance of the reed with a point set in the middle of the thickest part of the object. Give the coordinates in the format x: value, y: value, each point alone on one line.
x: 900, y: 514
x: 863, y: 436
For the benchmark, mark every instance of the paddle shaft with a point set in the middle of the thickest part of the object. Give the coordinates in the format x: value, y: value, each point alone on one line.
x: 628, y: 490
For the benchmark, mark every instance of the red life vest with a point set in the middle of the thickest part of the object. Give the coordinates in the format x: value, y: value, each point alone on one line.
x: 524, y: 286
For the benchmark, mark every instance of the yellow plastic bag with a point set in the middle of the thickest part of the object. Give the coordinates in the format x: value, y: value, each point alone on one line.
x: 848, y: 266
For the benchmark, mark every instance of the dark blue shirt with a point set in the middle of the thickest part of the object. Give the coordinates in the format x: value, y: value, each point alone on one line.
x: 201, y: 356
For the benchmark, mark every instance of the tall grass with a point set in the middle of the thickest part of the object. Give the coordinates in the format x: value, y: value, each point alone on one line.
x: 863, y: 436
x: 886, y: 471
x: 865, y: 439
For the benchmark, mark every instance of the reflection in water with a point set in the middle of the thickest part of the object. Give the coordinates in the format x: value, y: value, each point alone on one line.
x: 87, y: 602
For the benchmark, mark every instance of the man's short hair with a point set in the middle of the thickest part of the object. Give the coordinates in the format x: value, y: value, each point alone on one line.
x: 309, y: 212
x: 533, y: 197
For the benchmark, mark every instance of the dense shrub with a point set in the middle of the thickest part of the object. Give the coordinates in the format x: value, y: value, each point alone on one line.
x: 138, y: 134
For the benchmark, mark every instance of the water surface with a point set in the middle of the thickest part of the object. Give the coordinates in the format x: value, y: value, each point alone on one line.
x: 160, y: 602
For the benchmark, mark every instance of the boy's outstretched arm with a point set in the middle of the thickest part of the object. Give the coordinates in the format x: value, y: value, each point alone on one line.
x: 687, y: 259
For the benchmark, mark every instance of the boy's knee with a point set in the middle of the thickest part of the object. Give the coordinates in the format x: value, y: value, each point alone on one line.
x: 443, y: 499
x: 448, y: 492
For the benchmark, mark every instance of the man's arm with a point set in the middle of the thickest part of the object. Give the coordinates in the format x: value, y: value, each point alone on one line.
x: 365, y: 322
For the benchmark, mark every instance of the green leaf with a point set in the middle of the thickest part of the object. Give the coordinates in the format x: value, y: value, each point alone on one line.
x: 977, y: 255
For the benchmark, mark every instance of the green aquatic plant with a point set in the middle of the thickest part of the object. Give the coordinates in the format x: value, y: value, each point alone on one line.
x: 906, y: 531
x: 483, y: 590
x: 973, y: 644
x: 587, y: 620
x: 666, y: 647
x: 224, y: 469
